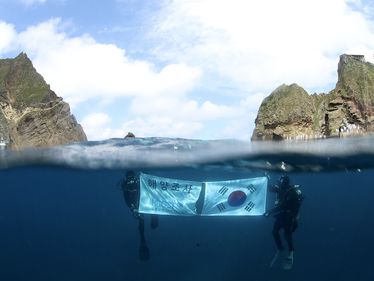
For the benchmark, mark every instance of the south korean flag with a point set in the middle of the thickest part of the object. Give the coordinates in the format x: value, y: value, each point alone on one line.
x: 243, y: 197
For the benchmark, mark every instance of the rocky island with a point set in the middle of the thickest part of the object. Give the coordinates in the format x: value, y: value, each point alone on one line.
x: 289, y: 112
x: 31, y: 114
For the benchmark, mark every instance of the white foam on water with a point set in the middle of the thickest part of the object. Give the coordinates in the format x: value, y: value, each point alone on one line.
x: 166, y: 152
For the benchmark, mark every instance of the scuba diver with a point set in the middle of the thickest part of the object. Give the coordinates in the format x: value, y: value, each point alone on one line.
x: 286, y: 213
x: 131, y: 192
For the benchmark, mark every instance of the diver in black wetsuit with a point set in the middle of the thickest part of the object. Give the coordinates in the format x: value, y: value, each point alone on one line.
x: 131, y: 192
x: 286, y: 211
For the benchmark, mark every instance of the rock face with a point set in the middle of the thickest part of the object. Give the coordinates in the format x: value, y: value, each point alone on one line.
x: 291, y: 113
x: 31, y: 115
x: 130, y: 135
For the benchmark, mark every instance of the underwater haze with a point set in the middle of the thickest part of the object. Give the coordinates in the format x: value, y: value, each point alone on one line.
x: 63, y: 216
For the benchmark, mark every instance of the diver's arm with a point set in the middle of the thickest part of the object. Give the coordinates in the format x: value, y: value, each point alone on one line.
x: 273, y: 188
x: 274, y: 210
x: 290, y: 203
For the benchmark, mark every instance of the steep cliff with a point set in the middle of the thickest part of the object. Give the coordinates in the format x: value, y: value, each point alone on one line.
x: 291, y: 113
x: 31, y: 114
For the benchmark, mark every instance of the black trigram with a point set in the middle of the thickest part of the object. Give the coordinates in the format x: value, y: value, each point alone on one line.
x: 223, y: 190
x: 251, y: 188
x: 249, y: 206
x: 221, y: 207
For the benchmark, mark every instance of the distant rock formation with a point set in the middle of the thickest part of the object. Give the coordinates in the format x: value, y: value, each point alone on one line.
x: 291, y: 113
x: 129, y: 135
x: 31, y: 115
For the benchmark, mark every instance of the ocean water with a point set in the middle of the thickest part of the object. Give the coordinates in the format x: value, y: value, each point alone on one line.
x: 63, y: 216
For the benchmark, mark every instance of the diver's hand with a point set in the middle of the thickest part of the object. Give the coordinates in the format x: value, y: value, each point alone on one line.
x: 135, y: 213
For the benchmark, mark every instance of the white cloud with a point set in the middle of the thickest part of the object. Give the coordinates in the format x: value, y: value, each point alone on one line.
x: 79, y: 68
x: 184, y: 109
x: 171, y: 117
x: 97, y: 119
x: 8, y: 34
x: 32, y: 2
x: 162, y: 126
x: 250, y: 47
x: 97, y: 127
x: 242, y: 125
x: 254, y: 46
x: 176, y: 117
x: 160, y: 117
x: 260, y: 44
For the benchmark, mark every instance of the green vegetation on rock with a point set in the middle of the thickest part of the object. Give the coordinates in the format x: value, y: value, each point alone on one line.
x: 31, y: 114
x: 289, y: 112
x: 25, y: 85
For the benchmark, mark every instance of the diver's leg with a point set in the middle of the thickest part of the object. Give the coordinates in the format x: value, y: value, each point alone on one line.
x: 276, y: 228
x: 143, y: 248
x: 288, y: 230
x: 154, y: 221
x: 141, y: 229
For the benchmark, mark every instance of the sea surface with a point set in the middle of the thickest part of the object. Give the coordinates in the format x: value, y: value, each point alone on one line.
x: 63, y: 216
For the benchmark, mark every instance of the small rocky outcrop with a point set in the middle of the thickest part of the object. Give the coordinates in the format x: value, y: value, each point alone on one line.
x: 291, y: 113
x: 129, y: 135
x: 31, y: 114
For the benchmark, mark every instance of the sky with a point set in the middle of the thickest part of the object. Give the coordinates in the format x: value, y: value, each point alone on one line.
x: 194, y: 69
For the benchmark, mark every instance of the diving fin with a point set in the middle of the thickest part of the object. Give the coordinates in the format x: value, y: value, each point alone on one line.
x: 143, y: 252
x: 288, y: 261
x: 275, y: 258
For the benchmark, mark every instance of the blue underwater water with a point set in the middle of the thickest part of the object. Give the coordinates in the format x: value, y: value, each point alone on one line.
x: 63, y: 216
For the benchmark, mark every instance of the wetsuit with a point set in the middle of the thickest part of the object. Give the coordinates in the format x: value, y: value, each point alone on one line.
x: 286, y: 214
x: 131, y: 192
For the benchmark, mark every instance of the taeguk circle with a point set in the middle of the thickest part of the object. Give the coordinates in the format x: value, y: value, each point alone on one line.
x: 236, y: 198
